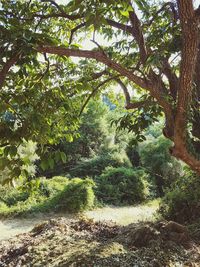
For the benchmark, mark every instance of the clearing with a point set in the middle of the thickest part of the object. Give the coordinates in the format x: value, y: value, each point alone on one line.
x: 119, y: 215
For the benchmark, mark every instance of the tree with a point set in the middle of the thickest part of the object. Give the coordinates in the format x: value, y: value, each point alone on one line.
x: 153, y: 49
x: 163, y: 169
x: 93, y: 132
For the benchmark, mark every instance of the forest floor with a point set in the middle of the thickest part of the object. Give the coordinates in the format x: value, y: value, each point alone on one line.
x: 71, y: 242
x: 119, y: 215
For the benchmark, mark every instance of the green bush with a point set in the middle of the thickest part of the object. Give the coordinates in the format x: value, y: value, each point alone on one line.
x: 182, y: 203
x: 121, y: 186
x: 163, y: 169
x: 78, y: 195
x: 56, y: 194
x: 96, y: 165
x: 49, y: 187
x: 11, y: 196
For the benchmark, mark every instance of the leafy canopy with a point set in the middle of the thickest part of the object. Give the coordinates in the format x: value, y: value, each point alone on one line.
x: 148, y: 48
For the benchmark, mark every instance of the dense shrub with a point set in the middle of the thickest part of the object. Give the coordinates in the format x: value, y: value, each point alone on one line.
x: 182, y: 203
x: 121, y: 186
x: 96, y: 165
x: 52, y: 186
x: 11, y: 196
x: 56, y: 194
x: 78, y: 195
x: 162, y: 167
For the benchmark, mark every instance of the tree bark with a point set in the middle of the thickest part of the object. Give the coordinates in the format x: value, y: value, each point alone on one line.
x: 190, y: 41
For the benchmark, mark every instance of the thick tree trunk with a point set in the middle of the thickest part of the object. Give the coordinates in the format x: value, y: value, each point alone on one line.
x: 190, y: 41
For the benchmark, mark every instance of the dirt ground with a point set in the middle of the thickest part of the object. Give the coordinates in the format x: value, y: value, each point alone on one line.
x: 119, y: 215
x: 136, y: 239
x: 84, y: 243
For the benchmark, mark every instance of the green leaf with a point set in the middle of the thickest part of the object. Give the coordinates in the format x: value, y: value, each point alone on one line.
x: 63, y: 157
x: 44, y: 165
x: 13, y: 151
x: 57, y: 156
x: 69, y: 138
x: 125, y: 13
x: 51, y: 163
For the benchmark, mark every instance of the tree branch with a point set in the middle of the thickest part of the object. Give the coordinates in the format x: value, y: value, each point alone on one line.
x: 138, y: 35
x: 94, y: 92
x: 125, y: 90
x: 100, y: 57
x: 172, y: 78
x: 74, y: 30
x: 115, y: 24
x: 129, y: 104
x: 9, y: 63
x: 57, y: 15
x: 120, y: 26
x: 154, y: 85
x: 62, y: 12
x: 171, y: 5
x: 97, y: 75
x: 54, y: 4
x: 139, y: 104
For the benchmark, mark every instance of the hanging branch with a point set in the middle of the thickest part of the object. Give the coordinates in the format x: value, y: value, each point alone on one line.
x: 94, y: 92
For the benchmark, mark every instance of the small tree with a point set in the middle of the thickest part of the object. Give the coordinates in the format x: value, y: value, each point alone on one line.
x: 93, y: 131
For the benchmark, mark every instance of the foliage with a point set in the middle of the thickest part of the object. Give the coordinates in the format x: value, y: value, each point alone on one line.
x: 121, y: 186
x: 138, y: 121
x: 18, y: 162
x: 56, y: 194
x: 27, y: 153
x: 11, y: 196
x: 181, y: 203
x: 132, y: 152
x: 92, y: 133
x: 97, y: 164
x: 77, y: 196
x: 97, y: 142
x: 50, y: 158
x: 52, y: 186
x: 137, y: 45
x: 162, y: 167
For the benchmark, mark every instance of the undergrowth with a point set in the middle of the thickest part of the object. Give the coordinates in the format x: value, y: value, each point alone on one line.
x: 56, y: 194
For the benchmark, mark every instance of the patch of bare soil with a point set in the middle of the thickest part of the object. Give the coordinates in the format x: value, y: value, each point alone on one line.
x: 119, y: 215
x: 14, y: 226
x: 85, y: 243
x: 125, y: 215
